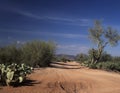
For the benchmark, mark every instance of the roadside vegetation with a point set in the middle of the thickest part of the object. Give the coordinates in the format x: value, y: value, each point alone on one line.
x: 34, y: 53
x: 97, y: 58
x: 14, y: 74
x: 17, y: 61
x: 107, y: 62
x: 63, y: 58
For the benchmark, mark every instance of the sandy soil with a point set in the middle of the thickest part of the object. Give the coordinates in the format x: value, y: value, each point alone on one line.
x: 68, y: 78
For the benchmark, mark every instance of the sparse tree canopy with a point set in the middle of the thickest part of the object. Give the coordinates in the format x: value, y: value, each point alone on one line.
x: 102, y: 37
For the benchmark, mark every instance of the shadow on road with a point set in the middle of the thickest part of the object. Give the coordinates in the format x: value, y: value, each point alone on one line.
x: 27, y: 82
x: 64, y: 66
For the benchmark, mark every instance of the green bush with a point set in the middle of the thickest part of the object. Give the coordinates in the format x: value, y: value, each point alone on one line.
x: 35, y: 53
x: 81, y: 57
x: 10, y: 54
x: 113, y: 66
x: 85, y: 63
x: 109, y: 66
x: 116, y: 59
x: 62, y: 58
x: 38, y: 53
x: 106, y: 57
x: 93, y: 66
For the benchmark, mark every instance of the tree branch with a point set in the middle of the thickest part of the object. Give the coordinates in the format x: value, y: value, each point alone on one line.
x: 105, y: 44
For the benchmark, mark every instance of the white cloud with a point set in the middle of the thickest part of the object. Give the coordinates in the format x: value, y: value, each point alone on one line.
x: 55, y: 19
x: 74, y: 36
x: 20, y: 42
x: 29, y: 15
x: 67, y: 35
x: 45, y: 33
x: 72, y: 49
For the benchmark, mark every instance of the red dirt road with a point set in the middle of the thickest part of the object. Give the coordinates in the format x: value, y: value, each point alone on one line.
x: 68, y: 78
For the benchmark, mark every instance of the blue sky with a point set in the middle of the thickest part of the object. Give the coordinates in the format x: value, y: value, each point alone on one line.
x: 65, y: 22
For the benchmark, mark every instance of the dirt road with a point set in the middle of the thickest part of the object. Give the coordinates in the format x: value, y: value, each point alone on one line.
x: 68, y: 78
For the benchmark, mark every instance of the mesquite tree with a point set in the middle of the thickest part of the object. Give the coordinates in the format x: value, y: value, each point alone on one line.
x: 101, y: 37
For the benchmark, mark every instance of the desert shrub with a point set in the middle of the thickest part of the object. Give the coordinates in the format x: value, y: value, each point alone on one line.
x: 106, y: 57
x: 38, y: 53
x: 93, y: 66
x: 34, y: 53
x: 10, y: 54
x: 85, y: 63
x: 81, y: 57
x: 109, y: 66
x: 63, y: 58
x: 113, y: 66
x: 116, y: 59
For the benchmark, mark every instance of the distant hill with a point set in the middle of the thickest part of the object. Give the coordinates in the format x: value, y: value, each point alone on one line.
x: 70, y: 57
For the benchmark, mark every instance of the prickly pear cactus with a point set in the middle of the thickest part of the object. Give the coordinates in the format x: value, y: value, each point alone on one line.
x: 14, y: 73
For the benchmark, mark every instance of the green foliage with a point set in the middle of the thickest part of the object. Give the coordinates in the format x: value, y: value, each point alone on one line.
x: 112, y: 66
x: 81, y: 57
x: 38, y: 53
x: 109, y: 66
x: 35, y: 53
x: 93, y: 66
x: 106, y: 57
x: 14, y: 73
x: 116, y: 59
x: 92, y: 53
x: 107, y: 62
x: 102, y: 37
x: 9, y: 54
x: 112, y: 36
x: 62, y: 58
x: 96, y: 32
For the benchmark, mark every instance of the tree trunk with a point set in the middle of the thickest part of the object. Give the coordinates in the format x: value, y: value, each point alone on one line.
x: 96, y: 55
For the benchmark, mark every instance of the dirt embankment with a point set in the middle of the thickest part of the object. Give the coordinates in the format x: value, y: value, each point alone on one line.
x: 68, y: 78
